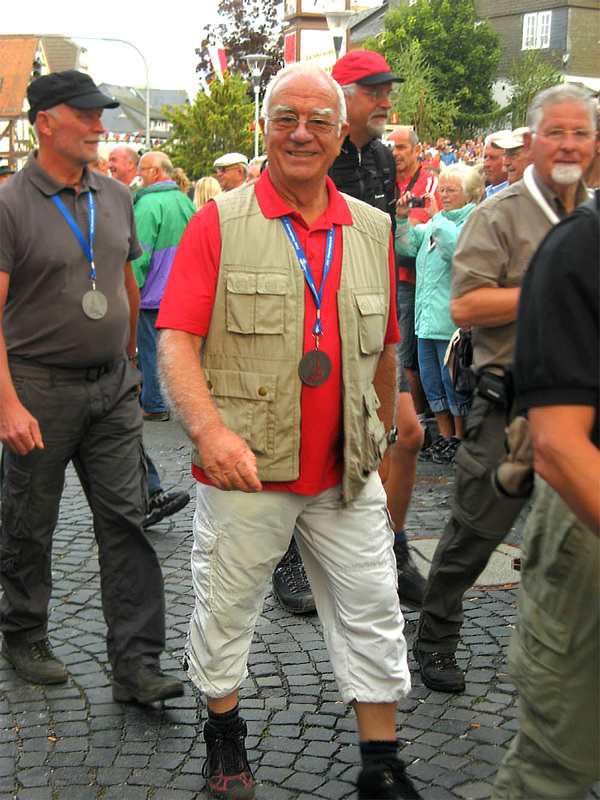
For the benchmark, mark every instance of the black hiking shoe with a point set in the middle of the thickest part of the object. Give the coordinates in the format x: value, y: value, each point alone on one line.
x: 385, y: 780
x: 145, y: 684
x: 290, y: 583
x: 226, y: 769
x: 34, y: 661
x: 411, y: 584
x: 164, y: 504
x: 439, y: 671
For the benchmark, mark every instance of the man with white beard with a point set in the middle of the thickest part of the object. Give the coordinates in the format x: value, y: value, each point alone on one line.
x: 490, y: 261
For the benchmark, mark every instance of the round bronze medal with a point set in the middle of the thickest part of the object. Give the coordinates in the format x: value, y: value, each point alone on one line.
x: 94, y: 304
x: 314, y: 368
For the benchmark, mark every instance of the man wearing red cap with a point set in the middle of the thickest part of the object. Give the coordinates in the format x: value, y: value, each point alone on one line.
x: 365, y: 169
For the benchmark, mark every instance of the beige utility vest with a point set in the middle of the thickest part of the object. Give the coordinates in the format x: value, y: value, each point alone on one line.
x: 256, y: 337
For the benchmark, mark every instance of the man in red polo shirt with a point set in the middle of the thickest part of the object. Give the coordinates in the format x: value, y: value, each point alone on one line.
x: 286, y: 290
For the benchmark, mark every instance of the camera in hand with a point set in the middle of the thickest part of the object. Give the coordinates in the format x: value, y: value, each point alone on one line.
x: 416, y: 202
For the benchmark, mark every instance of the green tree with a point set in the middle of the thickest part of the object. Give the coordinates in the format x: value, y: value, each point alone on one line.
x: 416, y: 101
x: 461, y: 50
x: 210, y: 126
x: 529, y: 74
x: 248, y: 26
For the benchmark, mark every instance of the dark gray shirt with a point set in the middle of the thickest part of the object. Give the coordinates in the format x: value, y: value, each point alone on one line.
x: 49, y: 274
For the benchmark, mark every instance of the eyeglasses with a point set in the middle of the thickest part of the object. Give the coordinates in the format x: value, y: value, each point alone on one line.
x: 221, y: 170
x: 559, y: 135
x: 317, y: 126
x: 377, y: 92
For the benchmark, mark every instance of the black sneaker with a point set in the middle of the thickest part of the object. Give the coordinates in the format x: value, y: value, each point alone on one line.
x: 34, y: 661
x: 411, y: 584
x: 436, y: 447
x: 385, y: 780
x: 226, y: 769
x: 164, y: 504
x: 446, y: 454
x: 145, y: 684
x: 290, y: 583
x: 439, y: 671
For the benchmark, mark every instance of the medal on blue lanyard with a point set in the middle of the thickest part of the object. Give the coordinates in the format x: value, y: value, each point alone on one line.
x: 315, y: 366
x: 93, y: 302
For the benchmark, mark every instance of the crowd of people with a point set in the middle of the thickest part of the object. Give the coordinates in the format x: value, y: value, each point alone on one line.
x: 297, y: 313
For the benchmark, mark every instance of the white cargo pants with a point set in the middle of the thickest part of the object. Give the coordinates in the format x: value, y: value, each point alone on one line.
x: 348, y: 554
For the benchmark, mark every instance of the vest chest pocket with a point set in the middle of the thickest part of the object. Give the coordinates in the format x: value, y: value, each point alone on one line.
x: 245, y: 402
x: 255, y: 302
x: 372, y: 312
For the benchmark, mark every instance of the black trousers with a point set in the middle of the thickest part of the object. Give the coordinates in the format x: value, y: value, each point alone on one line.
x: 97, y: 425
x: 480, y: 521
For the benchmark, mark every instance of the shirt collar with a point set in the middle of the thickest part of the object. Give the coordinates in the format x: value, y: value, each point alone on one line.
x: 274, y: 207
x: 49, y: 185
x: 554, y: 200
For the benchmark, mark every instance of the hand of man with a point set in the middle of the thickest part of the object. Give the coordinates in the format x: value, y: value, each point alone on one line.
x: 227, y: 460
x: 402, y: 207
x: 19, y: 430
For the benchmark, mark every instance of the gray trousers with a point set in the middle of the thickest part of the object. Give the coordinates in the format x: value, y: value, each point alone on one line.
x: 554, y: 659
x: 97, y: 425
x: 479, y: 522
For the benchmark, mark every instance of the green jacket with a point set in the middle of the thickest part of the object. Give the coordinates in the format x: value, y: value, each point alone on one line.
x: 433, y: 244
x: 161, y: 212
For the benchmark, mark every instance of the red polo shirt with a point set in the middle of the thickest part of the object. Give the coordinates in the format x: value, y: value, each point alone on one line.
x: 187, y: 305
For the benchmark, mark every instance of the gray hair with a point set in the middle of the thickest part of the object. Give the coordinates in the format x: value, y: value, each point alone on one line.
x: 470, y: 179
x: 161, y: 161
x: 309, y: 70
x: 562, y: 93
x: 413, y: 138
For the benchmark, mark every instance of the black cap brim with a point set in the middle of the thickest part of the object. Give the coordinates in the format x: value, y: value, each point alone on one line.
x: 92, y: 100
x: 379, y: 77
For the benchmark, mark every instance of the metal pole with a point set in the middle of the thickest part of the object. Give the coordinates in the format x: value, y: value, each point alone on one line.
x: 141, y: 55
x: 256, y: 103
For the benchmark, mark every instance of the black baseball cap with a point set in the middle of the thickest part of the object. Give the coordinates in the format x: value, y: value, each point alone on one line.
x: 71, y: 87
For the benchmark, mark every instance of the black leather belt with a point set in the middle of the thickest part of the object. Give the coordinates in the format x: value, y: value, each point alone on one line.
x: 90, y: 374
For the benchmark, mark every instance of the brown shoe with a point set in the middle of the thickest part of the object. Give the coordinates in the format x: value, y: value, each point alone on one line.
x: 156, y: 416
x: 145, y: 684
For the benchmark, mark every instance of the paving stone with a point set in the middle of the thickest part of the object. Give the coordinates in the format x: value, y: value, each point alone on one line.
x: 474, y: 791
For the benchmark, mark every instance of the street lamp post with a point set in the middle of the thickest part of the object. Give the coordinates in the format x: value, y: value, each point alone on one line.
x: 256, y: 64
x: 337, y: 22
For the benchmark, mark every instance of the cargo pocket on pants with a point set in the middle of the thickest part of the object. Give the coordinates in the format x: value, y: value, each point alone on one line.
x: 15, y: 501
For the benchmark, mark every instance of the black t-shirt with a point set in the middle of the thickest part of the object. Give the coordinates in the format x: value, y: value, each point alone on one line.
x: 557, y: 358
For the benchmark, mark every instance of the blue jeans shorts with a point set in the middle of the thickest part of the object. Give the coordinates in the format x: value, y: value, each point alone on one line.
x: 437, y: 383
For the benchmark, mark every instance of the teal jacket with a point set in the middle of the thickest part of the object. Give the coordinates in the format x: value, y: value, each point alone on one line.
x: 162, y: 212
x: 433, y: 244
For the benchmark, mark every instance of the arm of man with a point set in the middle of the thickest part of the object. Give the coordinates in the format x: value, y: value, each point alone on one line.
x: 226, y: 458
x: 147, y: 224
x: 565, y: 457
x: 19, y: 430
x: 133, y: 295
x: 481, y: 258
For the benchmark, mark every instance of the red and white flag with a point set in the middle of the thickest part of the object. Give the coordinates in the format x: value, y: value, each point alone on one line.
x: 218, y: 58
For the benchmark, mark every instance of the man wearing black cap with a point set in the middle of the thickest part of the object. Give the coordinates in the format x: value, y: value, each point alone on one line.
x: 365, y: 169
x: 68, y: 392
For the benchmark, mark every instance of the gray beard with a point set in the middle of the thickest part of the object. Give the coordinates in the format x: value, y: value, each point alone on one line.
x: 566, y: 174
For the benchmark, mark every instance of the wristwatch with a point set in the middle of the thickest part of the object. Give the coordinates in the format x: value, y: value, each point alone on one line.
x: 392, y: 435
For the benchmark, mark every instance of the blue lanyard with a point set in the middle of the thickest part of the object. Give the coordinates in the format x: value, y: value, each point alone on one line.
x: 305, y: 267
x: 88, y: 248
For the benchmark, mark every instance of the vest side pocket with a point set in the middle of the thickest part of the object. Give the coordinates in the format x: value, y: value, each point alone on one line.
x: 270, y: 303
x: 372, y: 315
x: 375, y: 440
x: 245, y: 402
x: 240, y: 301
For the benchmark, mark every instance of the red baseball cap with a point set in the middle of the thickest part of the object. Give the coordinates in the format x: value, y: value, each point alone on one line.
x: 363, y: 67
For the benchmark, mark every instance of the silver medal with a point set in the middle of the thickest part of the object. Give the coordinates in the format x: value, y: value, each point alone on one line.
x: 94, y: 304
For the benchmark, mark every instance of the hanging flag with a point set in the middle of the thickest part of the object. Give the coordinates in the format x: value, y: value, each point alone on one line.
x: 218, y: 58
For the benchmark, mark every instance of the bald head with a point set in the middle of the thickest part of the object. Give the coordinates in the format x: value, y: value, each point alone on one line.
x: 155, y: 167
x: 123, y: 162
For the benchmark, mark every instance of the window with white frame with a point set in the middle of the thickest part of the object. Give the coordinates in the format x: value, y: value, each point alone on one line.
x: 536, y: 30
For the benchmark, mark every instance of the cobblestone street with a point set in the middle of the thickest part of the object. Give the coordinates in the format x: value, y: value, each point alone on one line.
x: 73, y: 742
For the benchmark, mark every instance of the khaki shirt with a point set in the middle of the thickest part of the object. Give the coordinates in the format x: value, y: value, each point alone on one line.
x: 494, y: 251
x: 49, y: 274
